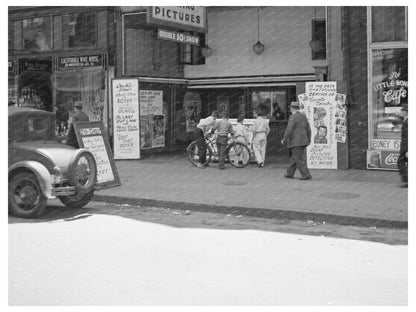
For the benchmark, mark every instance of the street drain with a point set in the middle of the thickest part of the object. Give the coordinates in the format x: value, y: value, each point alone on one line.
x: 340, y: 195
x: 234, y: 183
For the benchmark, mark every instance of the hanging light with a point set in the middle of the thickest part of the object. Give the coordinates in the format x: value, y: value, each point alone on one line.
x: 206, y: 51
x: 315, y: 44
x: 258, y: 47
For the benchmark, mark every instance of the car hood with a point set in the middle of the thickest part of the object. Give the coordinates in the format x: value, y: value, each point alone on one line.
x: 60, y: 154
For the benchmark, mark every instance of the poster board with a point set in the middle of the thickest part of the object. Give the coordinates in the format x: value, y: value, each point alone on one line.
x: 152, y: 119
x: 92, y: 136
x: 320, y: 109
x: 126, y: 127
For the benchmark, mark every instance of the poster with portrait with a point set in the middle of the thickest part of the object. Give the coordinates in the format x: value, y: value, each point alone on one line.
x: 340, y: 118
x: 158, y: 131
x: 151, y: 119
x: 191, y: 108
x: 320, y: 107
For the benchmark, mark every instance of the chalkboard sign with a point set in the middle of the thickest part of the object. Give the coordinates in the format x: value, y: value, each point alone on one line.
x: 92, y: 136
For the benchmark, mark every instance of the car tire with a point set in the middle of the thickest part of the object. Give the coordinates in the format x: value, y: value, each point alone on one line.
x: 26, y: 199
x: 83, y: 177
x: 78, y: 200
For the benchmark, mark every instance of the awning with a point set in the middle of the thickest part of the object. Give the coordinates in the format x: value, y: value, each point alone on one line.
x: 255, y: 81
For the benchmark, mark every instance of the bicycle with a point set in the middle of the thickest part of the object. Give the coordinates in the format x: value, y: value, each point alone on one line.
x: 237, y: 153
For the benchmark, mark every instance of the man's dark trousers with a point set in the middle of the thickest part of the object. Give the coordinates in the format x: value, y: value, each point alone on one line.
x: 298, y: 160
x: 202, y: 146
x: 222, y: 147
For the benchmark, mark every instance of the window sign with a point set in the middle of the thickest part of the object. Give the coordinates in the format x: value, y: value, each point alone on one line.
x: 152, y: 119
x: 183, y: 17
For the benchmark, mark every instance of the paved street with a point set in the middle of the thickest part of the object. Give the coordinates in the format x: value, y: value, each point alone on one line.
x: 94, y: 256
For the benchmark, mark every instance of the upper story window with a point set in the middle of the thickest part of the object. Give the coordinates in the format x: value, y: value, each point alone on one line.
x: 36, y: 34
x: 191, y: 54
x: 318, y: 42
x: 388, y: 24
x: 79, y: 30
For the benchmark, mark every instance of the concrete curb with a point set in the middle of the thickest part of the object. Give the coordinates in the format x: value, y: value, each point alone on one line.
x: 257, y: 212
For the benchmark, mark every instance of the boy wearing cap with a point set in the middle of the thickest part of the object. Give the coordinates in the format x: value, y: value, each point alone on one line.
x: 297, y: 137
x: 78, y: 116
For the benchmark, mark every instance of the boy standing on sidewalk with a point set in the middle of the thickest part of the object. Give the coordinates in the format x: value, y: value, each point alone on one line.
x: 223, y: 127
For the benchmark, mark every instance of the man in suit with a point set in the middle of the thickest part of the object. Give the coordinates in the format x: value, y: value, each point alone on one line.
x: 402, y: 160
x: 78, y: 116
x: 297, y: 137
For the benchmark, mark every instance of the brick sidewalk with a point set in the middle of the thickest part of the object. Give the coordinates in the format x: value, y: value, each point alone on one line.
x: 362, y: 197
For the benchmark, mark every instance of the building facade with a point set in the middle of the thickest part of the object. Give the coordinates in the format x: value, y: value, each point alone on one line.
x: 189, y: 61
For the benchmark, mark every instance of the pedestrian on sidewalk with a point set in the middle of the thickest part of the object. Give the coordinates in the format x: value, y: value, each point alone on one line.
x: 297, y: 137
x: 402, y: 161
x: 78, y: 116
x: 223, y: 128
x: 261, y: 130
x: 202, y: 127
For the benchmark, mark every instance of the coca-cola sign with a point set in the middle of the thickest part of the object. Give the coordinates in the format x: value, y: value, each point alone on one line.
x: 379, y: 159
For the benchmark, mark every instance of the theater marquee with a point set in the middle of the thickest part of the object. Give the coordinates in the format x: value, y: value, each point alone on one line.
x: 182, y: 17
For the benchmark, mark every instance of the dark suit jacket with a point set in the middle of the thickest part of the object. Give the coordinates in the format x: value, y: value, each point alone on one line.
x: 298, y: 131
x: 71, y: 138
x: 403, y: 144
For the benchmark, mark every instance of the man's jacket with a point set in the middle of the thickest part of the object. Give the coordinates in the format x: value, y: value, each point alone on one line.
x: 298, y: 131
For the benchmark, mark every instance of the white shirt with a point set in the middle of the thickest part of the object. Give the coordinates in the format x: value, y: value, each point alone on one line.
x: 206, y: 123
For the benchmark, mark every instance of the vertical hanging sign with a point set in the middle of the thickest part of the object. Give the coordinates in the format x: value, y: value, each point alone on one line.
x: 126, y: 119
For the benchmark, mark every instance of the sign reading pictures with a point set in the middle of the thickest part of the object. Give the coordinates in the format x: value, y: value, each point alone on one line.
x: 177, y: 37
x: 92, y: 136
x: 126, y: 118
x: 183, y: 17
x: 80, y: 61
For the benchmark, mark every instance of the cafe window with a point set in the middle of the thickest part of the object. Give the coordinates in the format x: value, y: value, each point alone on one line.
x: 35, y: 34
x: 389, y: 93
x: 388, y: 24
x: 79, y: 30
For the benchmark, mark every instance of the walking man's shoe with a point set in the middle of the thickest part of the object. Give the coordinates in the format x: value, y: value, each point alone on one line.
x: 306, y: 178
x: 200, y: 166
x: 404, y: 185
x: 288, y: 176
x: 221, y: 168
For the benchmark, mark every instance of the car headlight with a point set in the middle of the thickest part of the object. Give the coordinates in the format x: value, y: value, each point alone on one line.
x: 56, y: 176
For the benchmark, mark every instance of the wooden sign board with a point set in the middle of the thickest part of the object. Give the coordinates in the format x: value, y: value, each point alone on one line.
x: 92, y: 136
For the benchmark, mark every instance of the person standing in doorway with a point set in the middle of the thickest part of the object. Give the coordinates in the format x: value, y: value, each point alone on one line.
x: 78, y: 116
x: 403, y: 159
x: 297, y: 137
x: 202, y: 127
x: 261, y: 130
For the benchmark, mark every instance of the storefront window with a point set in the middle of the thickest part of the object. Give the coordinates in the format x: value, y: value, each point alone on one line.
x: 87, y: 86
x: 389, y: 94
x: 36, y: 34
x: 78, y: 30
x: 388, y: 24
x: 276, y: 101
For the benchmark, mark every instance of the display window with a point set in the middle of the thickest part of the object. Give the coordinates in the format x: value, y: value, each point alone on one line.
x: 388, y: 24
x: 87, y: 86
x: 276, y: 101
x: 35, y: 90
x: 389, y: 94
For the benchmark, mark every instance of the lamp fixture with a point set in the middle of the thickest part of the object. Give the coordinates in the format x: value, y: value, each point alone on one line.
x: 258, y: 47
x: 206, y: 51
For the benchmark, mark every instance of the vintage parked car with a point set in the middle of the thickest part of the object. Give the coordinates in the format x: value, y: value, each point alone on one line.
x: 40, y: 168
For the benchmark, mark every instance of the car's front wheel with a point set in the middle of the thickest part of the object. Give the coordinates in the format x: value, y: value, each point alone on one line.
x: 26, y: 199
x: 78, y: 200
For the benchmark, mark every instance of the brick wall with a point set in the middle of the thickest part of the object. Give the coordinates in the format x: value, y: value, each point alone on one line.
x: 355, y: 74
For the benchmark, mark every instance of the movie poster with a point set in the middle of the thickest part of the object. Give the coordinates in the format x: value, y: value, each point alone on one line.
x: 320, y: 108
x: 152, y: 119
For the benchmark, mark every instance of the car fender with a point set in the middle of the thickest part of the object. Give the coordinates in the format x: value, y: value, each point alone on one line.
x: 40, y: 171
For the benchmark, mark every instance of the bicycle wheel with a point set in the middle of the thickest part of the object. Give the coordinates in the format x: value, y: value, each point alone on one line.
x: 238, y: 155
x: 192, y: 152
